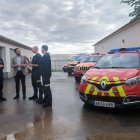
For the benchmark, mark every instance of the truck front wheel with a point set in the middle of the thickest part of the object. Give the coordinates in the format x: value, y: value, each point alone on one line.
x: 77, y: 79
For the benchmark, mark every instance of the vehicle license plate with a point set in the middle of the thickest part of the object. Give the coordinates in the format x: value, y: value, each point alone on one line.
x: 104, y: 104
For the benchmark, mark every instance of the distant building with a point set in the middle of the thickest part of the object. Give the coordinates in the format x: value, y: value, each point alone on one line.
x: 126, y: 36
x: 7, y: 47
x: 58, y: 61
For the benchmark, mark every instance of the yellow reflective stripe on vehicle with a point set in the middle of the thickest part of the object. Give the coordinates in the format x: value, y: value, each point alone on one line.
x: 120, y: 88
x: 103, y: 78
x: 86, y: 65
x: 88, y: 88
x: 111, y: 93
x: 93, y: 79
x: 95, y: 91
x: 47, y: 85
x: 121, y: 91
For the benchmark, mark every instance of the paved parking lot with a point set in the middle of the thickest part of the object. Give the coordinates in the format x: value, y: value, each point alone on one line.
x: 68, y: 119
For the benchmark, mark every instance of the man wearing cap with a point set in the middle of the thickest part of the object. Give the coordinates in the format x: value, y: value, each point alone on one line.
x: 36, y: 76
x: 46, y: 75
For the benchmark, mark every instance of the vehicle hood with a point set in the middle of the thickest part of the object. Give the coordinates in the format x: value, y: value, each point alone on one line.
x: 72, y: 62
x: 109, y: 74
x: 86, y: 64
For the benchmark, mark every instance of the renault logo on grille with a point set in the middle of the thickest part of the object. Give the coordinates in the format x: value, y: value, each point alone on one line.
x: 103, y: 84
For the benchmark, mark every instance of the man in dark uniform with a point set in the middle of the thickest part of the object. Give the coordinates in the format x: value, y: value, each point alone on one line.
x: 1, y: 80
x: 46, y: 75
x: 36, y: 76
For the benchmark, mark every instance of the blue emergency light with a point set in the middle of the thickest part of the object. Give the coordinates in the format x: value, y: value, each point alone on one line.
x: 125, y: 49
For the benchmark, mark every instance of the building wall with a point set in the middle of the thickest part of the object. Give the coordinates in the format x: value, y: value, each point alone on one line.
x: 125, y: 39
x: 7, y: 53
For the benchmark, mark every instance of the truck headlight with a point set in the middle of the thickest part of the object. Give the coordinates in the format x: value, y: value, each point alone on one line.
x: 84, y: 79
x: 133, y: 81
x: 76, y: 68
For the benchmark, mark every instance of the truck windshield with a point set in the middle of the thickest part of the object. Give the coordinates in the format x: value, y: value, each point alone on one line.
x: 119, y: 61
x: 91, y: 58
x: 77, y: 58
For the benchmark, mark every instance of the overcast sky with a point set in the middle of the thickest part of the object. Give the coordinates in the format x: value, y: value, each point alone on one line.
x: 66, y: 26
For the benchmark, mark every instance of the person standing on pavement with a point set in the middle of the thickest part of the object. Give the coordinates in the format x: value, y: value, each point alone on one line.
x: 1, y: 80
x: 46, y: 75
x: 19, y: 65
x: 36, y: 76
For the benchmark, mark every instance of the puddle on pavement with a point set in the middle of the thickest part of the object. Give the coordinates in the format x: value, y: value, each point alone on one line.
x: 39, y: 129
x: 42, y: 128
x: 114, y: 136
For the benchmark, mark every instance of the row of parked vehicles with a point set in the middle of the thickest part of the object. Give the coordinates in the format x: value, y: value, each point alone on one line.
x: 109, y: 80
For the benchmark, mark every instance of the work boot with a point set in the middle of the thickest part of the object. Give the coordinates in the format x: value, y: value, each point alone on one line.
x: 24, y: 97
x: 33, y: 98
x: 2, y: 99
x: 16, y: 97
x: 40, y: 101
x: 49, y: 104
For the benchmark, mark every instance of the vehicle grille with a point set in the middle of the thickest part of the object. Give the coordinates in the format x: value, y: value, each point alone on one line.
x: 73, y: 65
x: 106, y: 88
x: 103, y: 98
x: 84, y: 68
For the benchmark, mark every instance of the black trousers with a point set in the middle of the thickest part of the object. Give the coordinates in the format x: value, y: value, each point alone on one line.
x: 20, y: 77
x: 47, y: 89
x: 36, y: 83
x: 1, y: 87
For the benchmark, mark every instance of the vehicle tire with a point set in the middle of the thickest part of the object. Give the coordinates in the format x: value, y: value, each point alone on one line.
x: 77, y: 79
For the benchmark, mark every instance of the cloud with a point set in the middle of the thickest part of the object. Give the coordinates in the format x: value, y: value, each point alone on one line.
x: 63, y: 24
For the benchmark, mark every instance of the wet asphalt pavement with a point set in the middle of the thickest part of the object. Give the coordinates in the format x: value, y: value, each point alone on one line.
x: 68, y: 119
